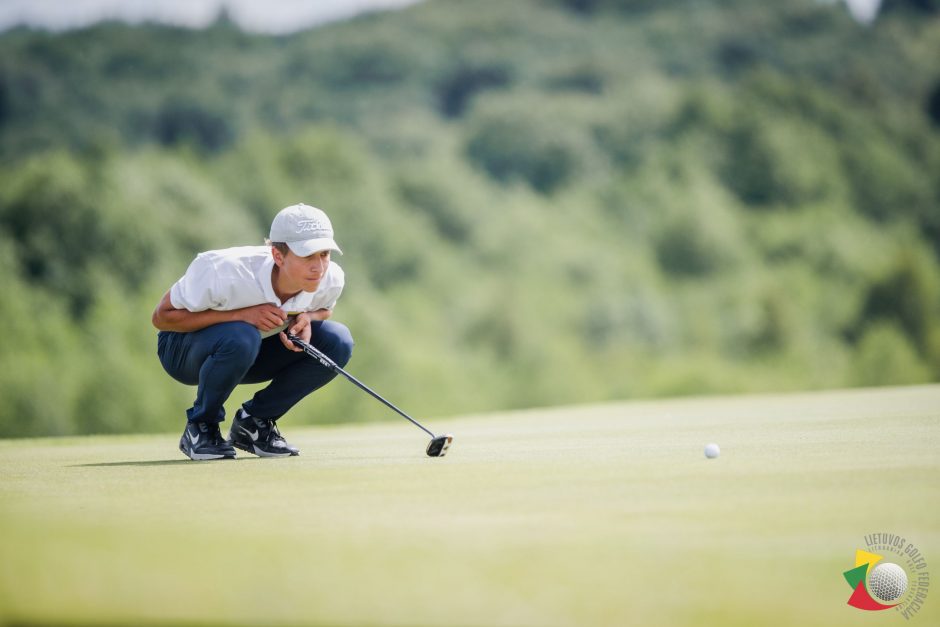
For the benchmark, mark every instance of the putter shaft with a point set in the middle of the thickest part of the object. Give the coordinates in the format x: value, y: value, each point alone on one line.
x: 332, y: 365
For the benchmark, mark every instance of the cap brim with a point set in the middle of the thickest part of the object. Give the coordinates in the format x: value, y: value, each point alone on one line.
x: 311, y: 246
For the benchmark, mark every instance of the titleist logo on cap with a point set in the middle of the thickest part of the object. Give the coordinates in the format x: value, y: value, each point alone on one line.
x: 304, y: 226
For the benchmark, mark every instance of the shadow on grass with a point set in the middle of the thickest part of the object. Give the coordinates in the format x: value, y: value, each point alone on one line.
x: 156, y: 462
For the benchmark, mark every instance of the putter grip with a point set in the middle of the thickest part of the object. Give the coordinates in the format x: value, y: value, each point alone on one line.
x: 310, y: 350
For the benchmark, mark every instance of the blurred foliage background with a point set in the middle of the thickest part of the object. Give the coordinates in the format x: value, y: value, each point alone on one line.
x: 541, y: 202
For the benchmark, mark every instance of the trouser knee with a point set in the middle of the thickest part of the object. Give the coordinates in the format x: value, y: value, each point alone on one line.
x: 229, y: 347
x: 238, y: 341
x: 336, y: 340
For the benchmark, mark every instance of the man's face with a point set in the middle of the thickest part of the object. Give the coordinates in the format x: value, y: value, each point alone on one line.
x: 303, y: 273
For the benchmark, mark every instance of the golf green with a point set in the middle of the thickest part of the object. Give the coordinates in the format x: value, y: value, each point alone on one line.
x: 596, y: 515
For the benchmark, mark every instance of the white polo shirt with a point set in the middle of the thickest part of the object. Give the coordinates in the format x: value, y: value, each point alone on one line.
x: 234, y: 278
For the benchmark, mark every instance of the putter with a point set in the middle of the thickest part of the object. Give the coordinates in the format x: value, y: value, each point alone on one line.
x: 438, y: 445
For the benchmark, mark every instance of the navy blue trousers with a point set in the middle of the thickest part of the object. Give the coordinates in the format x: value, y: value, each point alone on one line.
x: 219, y: 357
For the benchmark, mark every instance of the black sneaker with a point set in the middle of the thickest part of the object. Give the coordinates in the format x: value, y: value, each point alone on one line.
x: 259, y: 436
x: 203, y: 440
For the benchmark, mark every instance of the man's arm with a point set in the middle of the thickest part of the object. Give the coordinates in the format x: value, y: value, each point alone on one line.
x: 166, y: 317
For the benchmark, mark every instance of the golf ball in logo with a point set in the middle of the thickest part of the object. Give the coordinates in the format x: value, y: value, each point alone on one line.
x: 712, y: 451
x: 887, y: 582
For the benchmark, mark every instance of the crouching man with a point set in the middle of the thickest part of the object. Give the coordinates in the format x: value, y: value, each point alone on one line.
x: 222, y: 323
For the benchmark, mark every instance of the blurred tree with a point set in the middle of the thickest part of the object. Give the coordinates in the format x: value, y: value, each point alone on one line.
x: 919, y: 6
x: 436, y: 203
x: 189, y: 123
x: 6, y: 98
x: 585, y: 78
x: 907, y: 296
x: 885, y: 357
x: 591, y: 6
x: 932, y: 106
x: 457, y: 87
x: 53, y: 213
x: 774, y: 164
x: 515, y: 145
x: 356, y: 64
x: 887, y: 184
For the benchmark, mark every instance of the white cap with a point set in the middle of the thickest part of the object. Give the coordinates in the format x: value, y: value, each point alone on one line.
x: 305, y: 230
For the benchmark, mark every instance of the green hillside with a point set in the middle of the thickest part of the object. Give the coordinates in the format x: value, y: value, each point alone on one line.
x: 541, y: 201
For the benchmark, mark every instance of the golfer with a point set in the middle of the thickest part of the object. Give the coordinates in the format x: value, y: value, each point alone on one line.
x: 223, y: 323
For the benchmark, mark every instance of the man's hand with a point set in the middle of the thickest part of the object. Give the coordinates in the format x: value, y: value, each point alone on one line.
x: 263, y: 317
x: 300, y: 326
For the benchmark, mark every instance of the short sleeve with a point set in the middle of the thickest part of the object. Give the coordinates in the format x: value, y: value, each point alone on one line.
x: 195, y: 290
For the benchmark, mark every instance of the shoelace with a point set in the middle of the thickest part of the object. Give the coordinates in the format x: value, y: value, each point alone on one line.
x: 275, y: 435
x: 270, y: 430
x: 215, y: 434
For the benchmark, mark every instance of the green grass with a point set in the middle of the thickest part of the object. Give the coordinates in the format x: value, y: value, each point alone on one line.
x: 598, y: 515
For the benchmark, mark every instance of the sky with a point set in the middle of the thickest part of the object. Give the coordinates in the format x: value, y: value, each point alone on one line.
x: 864, y: 11
x: 266, y: 16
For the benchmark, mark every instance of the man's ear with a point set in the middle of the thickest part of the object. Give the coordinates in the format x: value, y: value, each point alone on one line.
x: 278, y: 257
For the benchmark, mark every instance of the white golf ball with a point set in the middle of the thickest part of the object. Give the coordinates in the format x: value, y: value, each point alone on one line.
x: 712, y: 451
x: 887, y: 582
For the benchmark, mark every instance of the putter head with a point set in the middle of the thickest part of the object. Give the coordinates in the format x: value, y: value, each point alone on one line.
x: 439, y: 445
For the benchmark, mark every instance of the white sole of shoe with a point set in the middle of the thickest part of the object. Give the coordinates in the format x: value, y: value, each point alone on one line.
x: 257, y: 451
x: 204, y: 457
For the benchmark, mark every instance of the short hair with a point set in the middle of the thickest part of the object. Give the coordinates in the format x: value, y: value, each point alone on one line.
x: 280, y: 246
